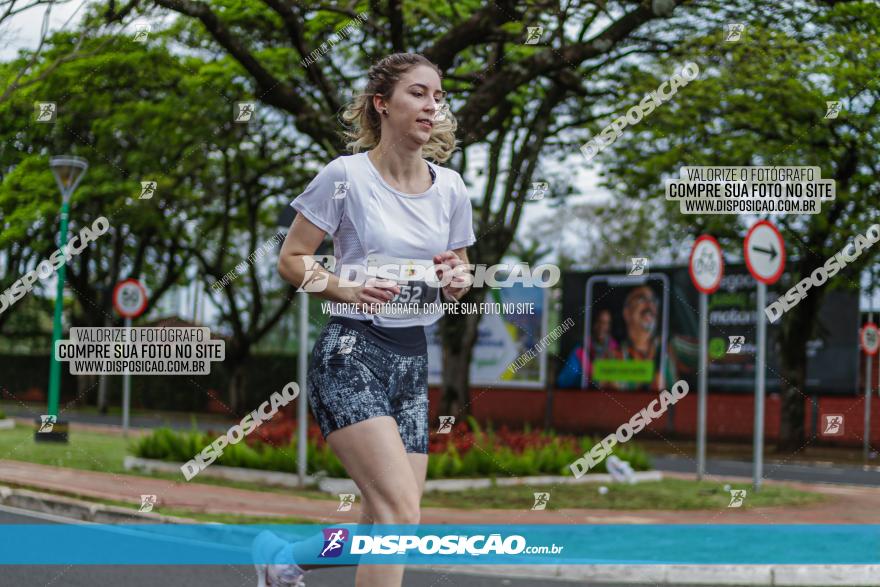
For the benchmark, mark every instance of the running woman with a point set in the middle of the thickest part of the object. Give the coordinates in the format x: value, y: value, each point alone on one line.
x: 367, y: 379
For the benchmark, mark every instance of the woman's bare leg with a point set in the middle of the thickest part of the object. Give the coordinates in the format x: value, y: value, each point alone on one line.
x: 374, y: 456
x: 363, y: 451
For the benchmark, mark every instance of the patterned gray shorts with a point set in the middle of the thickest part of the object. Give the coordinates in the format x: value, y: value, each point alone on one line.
x: 353, y: 377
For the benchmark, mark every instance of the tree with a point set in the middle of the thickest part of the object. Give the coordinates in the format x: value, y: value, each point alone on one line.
x: 511, y: 108
x: 139, y: 114
x: 520, y: 104
x: 763, y: 102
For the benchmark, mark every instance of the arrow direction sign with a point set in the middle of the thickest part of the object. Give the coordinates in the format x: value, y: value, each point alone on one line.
x: 765, y: 252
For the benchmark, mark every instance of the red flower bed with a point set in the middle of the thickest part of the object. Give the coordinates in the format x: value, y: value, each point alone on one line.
x: 464, y: 439
x: 280, y: 431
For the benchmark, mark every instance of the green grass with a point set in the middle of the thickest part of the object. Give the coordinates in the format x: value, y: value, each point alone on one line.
x: 93, y: 451
x: 181, y: 513
x: 668, y: 494
x: 86, y: 450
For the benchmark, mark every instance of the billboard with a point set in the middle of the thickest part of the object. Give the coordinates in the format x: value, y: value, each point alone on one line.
x: 502, y: 337
x: 832, y: 350
x: 626, y: 332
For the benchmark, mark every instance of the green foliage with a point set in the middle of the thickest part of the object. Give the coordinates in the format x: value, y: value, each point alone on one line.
x: 484, y: 459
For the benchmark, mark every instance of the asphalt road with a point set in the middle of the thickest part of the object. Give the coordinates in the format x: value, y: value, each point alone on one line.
x: 812, y: 473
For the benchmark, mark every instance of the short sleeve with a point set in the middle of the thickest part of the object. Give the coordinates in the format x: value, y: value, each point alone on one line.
x: 461, y: 224
x: 323, y: 200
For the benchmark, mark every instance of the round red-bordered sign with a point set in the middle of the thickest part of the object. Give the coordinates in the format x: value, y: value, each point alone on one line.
x: 129, y: 298
x: 706, y: 264
x: 764, y: 261
x: 869, y: 338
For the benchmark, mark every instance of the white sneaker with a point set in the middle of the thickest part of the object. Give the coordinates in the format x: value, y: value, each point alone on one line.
x: 266, y: 547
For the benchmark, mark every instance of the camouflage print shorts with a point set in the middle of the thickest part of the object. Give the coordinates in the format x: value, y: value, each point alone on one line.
x: 358, y: 372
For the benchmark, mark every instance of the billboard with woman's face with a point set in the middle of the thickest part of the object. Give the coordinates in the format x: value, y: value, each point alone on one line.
x: 625, y: 334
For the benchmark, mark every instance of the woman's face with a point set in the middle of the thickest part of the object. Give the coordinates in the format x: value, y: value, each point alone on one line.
x: 414, y: 101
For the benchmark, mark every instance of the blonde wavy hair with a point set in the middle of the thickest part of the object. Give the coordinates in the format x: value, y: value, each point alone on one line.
x: 364, y: 125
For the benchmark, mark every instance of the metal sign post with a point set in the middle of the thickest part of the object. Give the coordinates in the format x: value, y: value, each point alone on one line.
x: 869, y: 340
x: 764, y: 251
x: 301, y: 410
x: 706, y: 266
x: 130, y: 301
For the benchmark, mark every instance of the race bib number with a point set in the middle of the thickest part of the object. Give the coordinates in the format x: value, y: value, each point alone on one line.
x: 418, y: 284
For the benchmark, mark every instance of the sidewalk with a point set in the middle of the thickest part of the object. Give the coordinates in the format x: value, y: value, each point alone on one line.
x: 846, y: 504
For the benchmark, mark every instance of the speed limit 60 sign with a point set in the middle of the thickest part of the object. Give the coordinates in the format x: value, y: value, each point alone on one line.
x: 706, y: 264
x: 869, y: 338
x: 129, y: 298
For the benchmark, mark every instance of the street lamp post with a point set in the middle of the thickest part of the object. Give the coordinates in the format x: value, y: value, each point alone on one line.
x: 68, y: 172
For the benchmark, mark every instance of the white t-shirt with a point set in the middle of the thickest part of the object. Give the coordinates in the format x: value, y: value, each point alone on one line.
x: 349, y: 200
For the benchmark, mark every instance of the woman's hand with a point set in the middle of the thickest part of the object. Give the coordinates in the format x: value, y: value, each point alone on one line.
x: 445, y: 263
x: 376, y: 291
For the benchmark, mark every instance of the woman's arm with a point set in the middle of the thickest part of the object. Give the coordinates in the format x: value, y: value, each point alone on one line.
x: 302, y: 240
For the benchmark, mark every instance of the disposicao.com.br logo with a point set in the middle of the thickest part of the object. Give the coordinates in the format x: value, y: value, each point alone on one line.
x: 449, y: 544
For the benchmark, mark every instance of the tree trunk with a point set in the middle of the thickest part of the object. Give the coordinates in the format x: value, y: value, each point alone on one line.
x: 798, y: 327
x: 236, y: 387
x: 458, y: 334
x: 102, y: 381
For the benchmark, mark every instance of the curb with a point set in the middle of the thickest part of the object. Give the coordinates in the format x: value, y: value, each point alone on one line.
x: 770, y: 575
x: 336, y: 485
x: 78, y: 509
x: 340, y: 485
x: 219, y: 472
